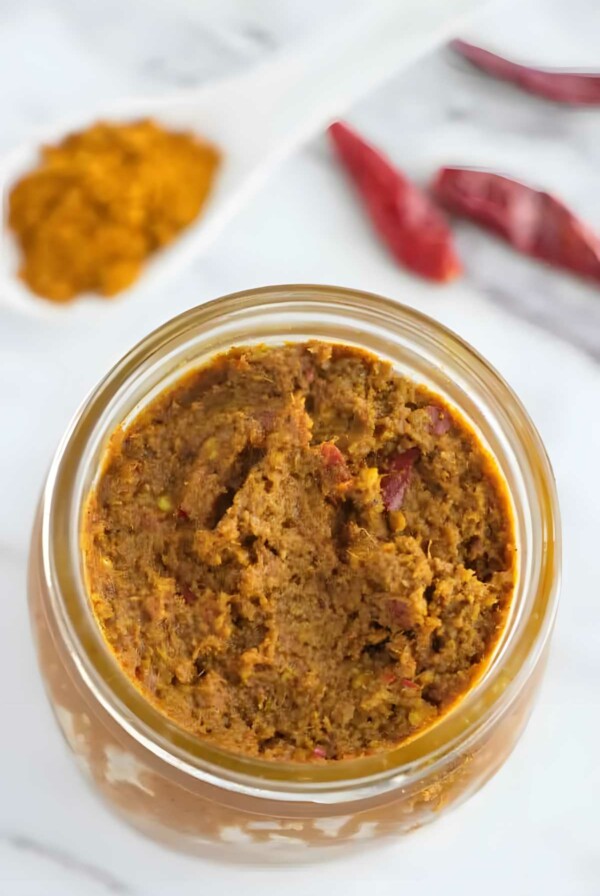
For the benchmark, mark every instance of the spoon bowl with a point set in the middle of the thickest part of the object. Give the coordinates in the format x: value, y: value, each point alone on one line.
x: 255, y: 120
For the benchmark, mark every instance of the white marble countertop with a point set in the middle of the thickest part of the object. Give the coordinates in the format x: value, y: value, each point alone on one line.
x: 533, y: 828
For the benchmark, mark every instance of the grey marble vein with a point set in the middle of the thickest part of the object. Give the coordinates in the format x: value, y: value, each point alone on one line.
x: 68, y: 862
x: 556, y: 301
x: 582, y: 332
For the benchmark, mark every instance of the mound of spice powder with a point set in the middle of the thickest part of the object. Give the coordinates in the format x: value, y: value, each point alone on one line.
x: 103, y: 200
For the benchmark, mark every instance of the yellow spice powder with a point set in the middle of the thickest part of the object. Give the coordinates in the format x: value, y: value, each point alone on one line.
x: 102, y: 201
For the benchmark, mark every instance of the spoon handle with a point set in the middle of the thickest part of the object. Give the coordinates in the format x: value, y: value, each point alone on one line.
x: 291, y: 97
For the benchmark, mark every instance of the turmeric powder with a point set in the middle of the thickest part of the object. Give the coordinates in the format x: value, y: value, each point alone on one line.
x: 102, y: 201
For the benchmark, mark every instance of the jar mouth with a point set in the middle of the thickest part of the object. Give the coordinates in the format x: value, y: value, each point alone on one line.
x: 418, y: 347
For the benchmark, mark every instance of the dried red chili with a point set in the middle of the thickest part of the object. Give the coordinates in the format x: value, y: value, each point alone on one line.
x: 440, y: 420
x: 331, y: 454
x: 334, y: 462
x: 532, y: 221
x: 402, y: 460
x: 575, y: 88
x: 401, y: 612
x: 394, y: 484
x: 414, y: 230
x: 188, y: 595
x: 267, y: 419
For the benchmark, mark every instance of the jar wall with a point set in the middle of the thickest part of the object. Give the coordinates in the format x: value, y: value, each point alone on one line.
x: 142, y: 775
x: 199, y: 818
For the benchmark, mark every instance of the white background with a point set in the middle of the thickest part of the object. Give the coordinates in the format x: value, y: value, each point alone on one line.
x: 534, y: 828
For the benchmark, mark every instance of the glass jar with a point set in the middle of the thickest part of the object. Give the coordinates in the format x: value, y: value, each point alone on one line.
x: 193, y: 795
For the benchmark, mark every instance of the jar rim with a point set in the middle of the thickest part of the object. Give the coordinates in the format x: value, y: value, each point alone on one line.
x: 163, y: 350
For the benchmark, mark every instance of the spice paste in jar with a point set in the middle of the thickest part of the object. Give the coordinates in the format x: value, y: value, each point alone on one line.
x: 296, y: 553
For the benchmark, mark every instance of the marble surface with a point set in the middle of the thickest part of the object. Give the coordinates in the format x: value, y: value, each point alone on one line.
x: 534, y: 828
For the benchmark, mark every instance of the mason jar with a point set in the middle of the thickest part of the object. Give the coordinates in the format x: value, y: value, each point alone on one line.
x: 194, y: 796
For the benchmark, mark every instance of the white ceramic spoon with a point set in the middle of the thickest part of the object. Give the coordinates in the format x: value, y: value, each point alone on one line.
x: 256, y: 120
